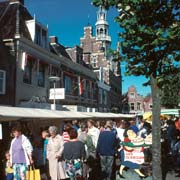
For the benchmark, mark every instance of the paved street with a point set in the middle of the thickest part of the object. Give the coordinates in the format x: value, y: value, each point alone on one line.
x: 130, y: 175
x: 172, y: 176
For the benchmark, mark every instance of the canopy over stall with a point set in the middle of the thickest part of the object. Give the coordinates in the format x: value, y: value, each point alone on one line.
x: 165, y: 113
x: 17, y: 113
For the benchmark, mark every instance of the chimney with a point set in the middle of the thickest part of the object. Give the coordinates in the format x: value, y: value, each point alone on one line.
x: 53, y: 39
x: 17, y: 1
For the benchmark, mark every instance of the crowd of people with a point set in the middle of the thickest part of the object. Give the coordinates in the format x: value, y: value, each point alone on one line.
x: 89, y: 150
x: 170, y: 145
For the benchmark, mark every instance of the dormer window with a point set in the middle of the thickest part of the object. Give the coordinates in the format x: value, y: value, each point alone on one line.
x: 41, y: 36
x: 44, y: 38
x: 38, y: 32
x: 38, y: 35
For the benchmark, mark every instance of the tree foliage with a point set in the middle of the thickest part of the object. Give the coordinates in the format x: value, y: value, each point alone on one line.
x: 170, y: 91
x: 152, y: 34
x: 151, y: 44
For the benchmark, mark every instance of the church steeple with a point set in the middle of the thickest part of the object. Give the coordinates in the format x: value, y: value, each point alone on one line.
x: 102, y: 25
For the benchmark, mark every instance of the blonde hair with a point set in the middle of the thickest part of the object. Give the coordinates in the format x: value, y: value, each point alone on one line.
x: 46, y: 133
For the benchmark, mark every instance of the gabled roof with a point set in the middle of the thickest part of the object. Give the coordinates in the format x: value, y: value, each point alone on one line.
x: 59, y: 50
x: 8, y: 20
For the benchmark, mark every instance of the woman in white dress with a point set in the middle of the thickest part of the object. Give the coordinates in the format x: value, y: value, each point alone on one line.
x: 54, y: 154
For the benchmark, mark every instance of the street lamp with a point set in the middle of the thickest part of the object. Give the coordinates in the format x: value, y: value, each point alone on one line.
x: 54, y: 79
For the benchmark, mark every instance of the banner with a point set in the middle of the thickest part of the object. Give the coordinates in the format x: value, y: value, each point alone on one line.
x: 135, y: 156
x: 80, y: 85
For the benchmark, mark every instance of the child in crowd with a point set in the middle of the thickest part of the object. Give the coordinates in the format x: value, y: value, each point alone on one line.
x: 45, y: 137
x: 8, y: 169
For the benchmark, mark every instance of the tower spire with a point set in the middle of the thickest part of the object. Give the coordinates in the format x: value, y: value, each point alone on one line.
x: 88, y: 20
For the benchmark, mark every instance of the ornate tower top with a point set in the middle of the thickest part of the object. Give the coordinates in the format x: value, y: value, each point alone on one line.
x: 102, y: 25
x: 101, y: 16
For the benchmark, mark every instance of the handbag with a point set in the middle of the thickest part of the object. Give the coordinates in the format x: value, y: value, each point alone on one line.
x: 33, y: 174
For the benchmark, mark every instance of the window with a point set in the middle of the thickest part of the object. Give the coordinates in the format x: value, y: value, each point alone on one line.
x: 38, y: 35
x: 68, y: 84
x: 41, y: 36
x: 132, y: 106
x: 150, y: 106
x: 94, y: 61
x: 27, y: 76
x: 102, y: 15
x: 41, y: 75
x: 138, y: 106
x: 101, y: 31
x: 101, y: 74
x: 44, y: 39
x: 105, y: 97
x: 105, y: 32
x: 132, y: 95
x: 2, y: 82
x: 100, y: 96
x: 54, y: 71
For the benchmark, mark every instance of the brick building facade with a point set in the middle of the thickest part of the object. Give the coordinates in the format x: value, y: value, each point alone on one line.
x: 27, y: 60
x: 96, y: 53
x: 92, y: 81
x: 137, y: 104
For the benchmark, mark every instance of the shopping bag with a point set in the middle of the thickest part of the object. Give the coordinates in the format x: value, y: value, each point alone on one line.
x: 33, y: 174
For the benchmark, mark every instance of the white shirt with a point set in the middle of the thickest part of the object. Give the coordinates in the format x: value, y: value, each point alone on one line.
x: 120, y: 133
x: 94, y: 133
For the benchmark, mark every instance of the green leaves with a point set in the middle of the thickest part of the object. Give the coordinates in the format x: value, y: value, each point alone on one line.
x: 151, y: 34
x: 170, y: 89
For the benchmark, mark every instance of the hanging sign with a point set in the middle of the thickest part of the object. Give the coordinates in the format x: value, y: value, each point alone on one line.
x: 58, y: 93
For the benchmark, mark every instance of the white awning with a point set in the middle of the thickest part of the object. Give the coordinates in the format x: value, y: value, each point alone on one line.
x: 108, y: 115
x: 170, y: 111
x: 16, y: 113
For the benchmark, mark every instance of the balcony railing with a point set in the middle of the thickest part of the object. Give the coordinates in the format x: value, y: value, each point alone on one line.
x: 103, y: 38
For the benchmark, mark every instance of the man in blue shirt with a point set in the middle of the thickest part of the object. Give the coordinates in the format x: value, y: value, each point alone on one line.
x: 106, y: 149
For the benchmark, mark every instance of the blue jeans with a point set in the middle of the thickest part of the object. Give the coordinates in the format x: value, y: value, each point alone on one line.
x: 9, y: 176
x: 106, y: 166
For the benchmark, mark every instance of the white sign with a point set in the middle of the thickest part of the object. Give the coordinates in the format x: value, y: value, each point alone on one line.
x: 134, y: 156
x: 58, y: 93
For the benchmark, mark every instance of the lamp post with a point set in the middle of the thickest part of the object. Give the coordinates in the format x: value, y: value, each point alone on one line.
x: 54, y: 79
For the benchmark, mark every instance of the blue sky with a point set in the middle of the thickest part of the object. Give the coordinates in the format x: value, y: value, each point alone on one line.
x: 67, y: 18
